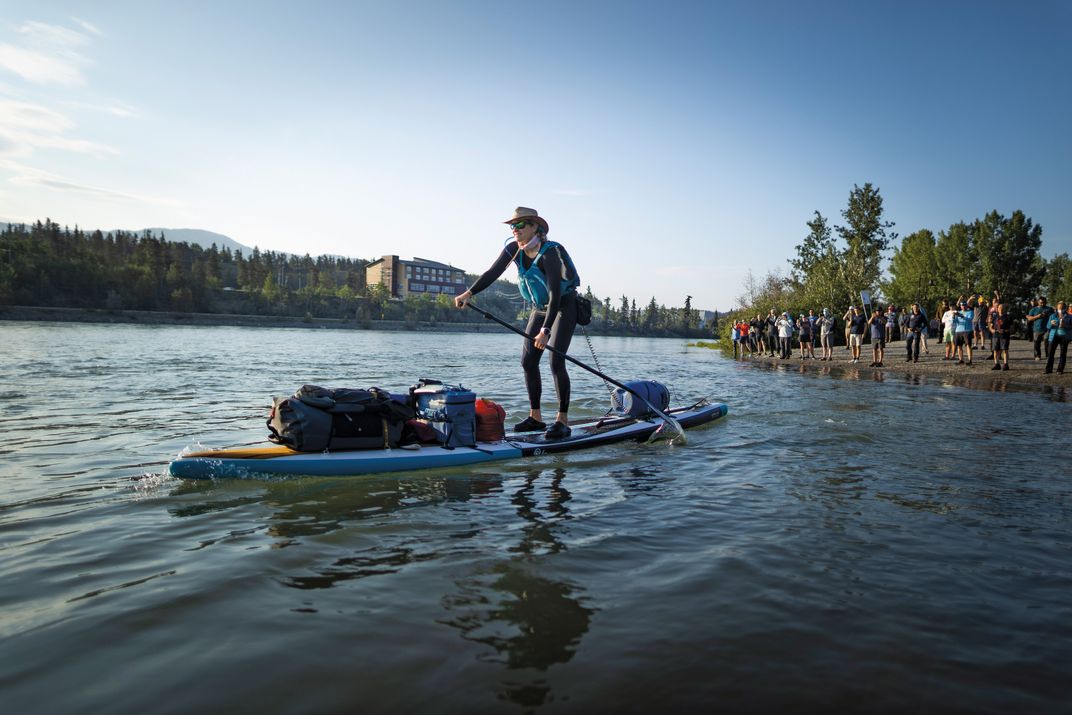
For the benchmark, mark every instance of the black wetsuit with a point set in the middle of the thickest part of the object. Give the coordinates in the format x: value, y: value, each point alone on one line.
x: 559, y: 316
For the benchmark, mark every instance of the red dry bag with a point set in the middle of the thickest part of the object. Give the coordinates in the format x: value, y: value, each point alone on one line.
x: 490, y: 421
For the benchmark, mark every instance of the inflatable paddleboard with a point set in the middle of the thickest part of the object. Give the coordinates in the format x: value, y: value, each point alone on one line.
x: 276, y: 460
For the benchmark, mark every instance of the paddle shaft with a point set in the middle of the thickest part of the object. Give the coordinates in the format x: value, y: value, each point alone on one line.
x: 573, y: 360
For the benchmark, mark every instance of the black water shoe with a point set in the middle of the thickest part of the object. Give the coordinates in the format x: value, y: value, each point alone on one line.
x: 557, y: 431
x: 529, y: 425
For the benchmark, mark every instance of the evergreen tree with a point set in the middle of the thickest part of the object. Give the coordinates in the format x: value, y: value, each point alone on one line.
x: 867, y: 236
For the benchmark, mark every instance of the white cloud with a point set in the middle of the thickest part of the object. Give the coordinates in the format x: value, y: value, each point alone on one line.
x: 47, y: 54
x: 87, y: 26
x: 69, y: 186
x: 28, y: 176
x: 23, y: 115
x: 38, y: 67
x: 119, y: 109
x: 25, y: 127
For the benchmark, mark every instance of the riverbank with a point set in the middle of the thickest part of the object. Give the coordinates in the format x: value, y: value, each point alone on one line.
x: 148, y: 317
x: 1023, y: 370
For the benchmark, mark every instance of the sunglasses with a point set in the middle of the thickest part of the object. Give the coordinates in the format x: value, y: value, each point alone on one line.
x: 520, y: 225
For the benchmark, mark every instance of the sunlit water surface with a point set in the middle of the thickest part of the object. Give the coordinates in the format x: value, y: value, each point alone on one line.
x: 834, y: 544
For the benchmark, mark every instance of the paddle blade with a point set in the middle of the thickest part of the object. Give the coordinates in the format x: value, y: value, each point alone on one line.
x: 670, y: 430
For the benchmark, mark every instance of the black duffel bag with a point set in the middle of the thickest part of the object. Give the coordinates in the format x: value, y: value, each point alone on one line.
x: 318, y: 419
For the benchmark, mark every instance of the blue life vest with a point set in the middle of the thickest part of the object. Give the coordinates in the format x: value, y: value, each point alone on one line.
x: 532, y: 283
x: 1060, y: 326
x: 962, y: 320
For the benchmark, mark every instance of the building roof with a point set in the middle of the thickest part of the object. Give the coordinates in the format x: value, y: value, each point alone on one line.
x: 432, y: 264
x: 418, y: 262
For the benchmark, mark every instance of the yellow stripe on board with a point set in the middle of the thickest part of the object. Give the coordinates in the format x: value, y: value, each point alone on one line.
x: 255, y: 453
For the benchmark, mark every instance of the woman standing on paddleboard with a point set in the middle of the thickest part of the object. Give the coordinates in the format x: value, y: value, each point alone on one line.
x: 548, y: 282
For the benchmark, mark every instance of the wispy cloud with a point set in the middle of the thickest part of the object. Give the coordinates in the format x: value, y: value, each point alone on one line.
x: 28, y: 176
x: 68, y: 186
x: 25, y: 127
x: 45, y: 54
x: 119, y: 109
x: 87, y: 26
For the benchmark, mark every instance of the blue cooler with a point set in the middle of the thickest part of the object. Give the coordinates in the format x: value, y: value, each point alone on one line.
x: 449, y: 409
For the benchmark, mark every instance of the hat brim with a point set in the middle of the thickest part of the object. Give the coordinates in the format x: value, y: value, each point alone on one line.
x: 535, y: 219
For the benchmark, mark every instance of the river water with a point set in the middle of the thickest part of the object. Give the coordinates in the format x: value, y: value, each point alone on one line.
x: 832, y: 545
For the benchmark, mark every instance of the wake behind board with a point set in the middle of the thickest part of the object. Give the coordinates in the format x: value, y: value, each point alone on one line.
x: 275, y: 460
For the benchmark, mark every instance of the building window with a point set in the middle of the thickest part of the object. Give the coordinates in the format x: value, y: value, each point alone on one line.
x: 416, y: 287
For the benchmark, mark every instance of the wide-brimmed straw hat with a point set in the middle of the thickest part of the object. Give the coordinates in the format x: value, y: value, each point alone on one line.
x: 523, y: 212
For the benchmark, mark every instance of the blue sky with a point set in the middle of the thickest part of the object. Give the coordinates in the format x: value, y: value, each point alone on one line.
x: 672, y: 146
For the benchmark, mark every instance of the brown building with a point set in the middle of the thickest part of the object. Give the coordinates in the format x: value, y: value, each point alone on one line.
x: 417, y: 277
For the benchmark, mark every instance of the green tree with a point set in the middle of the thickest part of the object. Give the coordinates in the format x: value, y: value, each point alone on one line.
x: 271, y: 290
x: 955, y: 261
x: 817, y: 274
x: 651, y: 316
x: 378, y: 295
x: 1008, y: 250
x: 688, y: 317
x: 867, y: 236
x: 912, y: 271
x: 1057, y: 284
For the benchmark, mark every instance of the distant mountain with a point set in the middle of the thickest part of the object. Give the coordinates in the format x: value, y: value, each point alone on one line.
x: 197, y: 236
x: 193, y: 236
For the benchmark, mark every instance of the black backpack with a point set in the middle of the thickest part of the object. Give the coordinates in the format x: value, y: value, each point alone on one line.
x: 318, y: 419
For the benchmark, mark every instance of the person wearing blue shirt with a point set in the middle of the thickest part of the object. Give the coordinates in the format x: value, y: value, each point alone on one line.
x: 962, y: 332
x: 1060, y: 325
x: 878, y: 337
x: 1038, y: 318
x: 805, y: 327
x: 856, y: 326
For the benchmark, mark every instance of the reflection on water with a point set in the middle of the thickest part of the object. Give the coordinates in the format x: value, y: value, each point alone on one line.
x: 531, y: 621
x: 376, y: 561
x: 539, y: 536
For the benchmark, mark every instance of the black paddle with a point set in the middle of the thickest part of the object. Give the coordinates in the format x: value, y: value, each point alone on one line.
x: 679, y: 431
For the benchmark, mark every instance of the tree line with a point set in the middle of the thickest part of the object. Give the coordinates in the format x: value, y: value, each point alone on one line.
x: 44, y: 264
x: 833, y: 264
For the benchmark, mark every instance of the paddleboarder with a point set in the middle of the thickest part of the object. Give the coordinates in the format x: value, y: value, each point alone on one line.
x: 548, y: 282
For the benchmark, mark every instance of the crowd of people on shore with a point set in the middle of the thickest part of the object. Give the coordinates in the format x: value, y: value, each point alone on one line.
x: 961, y: 327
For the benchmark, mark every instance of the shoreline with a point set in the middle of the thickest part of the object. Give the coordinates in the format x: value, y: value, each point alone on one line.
x: 1024, y: 371
x: 32, y: 314
x: 36, y: 314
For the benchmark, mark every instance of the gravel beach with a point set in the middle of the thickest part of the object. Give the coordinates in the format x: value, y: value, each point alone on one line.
x: 1023, y: 370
